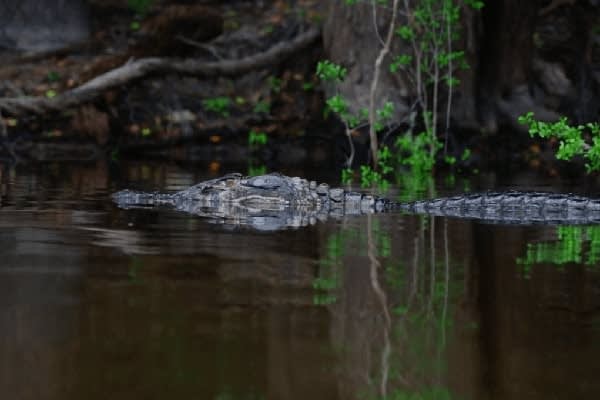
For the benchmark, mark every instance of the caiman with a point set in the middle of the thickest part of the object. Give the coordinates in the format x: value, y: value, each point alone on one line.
x: 275, y: 201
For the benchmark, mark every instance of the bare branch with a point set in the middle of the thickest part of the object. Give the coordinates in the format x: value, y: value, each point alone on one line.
x: 143, y: 67
x: 375, y: 82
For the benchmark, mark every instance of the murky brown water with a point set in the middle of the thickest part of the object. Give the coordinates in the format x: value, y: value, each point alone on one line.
x: 98, y: 302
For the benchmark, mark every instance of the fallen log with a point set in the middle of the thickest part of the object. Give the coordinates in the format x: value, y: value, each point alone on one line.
x: 137, y: 69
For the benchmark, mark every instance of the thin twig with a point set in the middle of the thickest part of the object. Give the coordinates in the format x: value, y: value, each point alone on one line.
x: 377, y: 71
x: 375, y: 27
x: 199, y: 45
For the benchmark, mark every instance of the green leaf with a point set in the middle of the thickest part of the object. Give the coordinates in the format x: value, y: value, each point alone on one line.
x: 257, y: 138
x: 337, y: 104
x: 328, y: 71
x: 405, y: 32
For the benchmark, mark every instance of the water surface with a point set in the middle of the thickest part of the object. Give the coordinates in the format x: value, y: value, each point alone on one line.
x: 98, y: 302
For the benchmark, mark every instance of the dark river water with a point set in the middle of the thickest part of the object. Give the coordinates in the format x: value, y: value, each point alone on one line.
x: 102, y: 303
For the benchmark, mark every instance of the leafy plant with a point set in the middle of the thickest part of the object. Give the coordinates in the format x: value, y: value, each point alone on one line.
x: 347, y: 175
x: 275, y: 84
x: 430, y: 31
x: 571, y: 142
x: 262, y: 107
x: 53, y: 76
x: 575, y: 244
x: 256, y: 170
x: 218, y: 105
x: 330, y: 72
x: 257, y: 138
x: 140, y: 6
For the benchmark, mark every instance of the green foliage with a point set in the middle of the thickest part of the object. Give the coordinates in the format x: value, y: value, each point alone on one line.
x: 466, y: 154
x: 256, y: 138
x: 405, y: 32
x: 400, y: 61
x: 384, y: 160
x: 347, y: 175
x: 330, y: 72
x: 330, y: 269
x: 474, y: 4
x: 450, y: 160
x: 337, y: 104
x: 570, y: 138
x: 140, y: 6
x: 307, y: 86
x: 575, y: 244
x: 262, y: 107
x: 218, y: 105
x: 370, y: 177
x: 414, y: 151
x: 256, y: 170
x: 383, y: 115
x: 431, y: 28
x: 275, y: 84
x: 53, y: 76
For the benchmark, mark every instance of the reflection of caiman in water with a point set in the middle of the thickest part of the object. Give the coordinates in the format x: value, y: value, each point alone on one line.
x: 274, y: 201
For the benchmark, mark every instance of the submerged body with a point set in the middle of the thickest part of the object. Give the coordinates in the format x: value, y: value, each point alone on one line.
x: 275, y: 201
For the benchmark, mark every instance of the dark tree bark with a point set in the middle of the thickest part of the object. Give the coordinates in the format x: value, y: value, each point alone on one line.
x: 352, y: 37
x: 505, y: 63
x: 509, y: 73
x: 36, y: 26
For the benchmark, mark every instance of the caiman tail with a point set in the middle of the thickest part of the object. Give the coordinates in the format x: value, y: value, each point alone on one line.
x: 512, y: 207
x: 130, y: 199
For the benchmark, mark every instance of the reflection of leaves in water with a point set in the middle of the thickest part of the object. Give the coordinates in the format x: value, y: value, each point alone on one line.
x: 394, y: 274
x: 421, y: 298
x: 414, y: 185
x: 575, y: 244
x: 134, y: 270
x: 329, y: 270
x: 228, y: 394
x: 433, y: 393
x: 331, y: 265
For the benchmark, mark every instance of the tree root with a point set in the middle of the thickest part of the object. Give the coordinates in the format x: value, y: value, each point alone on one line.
x: 134, y: 70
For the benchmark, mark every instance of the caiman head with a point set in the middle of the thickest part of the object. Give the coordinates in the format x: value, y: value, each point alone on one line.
x: 265, y: 192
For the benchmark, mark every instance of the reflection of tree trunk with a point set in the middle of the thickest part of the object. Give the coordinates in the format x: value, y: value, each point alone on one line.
x: 375, y: 266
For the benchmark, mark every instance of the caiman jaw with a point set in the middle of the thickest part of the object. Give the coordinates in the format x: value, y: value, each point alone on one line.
x: 258, y: 202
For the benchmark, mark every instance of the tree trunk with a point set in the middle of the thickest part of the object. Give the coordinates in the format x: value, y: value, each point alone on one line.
x: 353, y: 37
x: 504, y: 63
x: 505, y: 72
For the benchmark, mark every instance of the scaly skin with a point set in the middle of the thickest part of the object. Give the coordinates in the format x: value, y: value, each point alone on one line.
x: 266, y: 202
x: 275, y: 201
